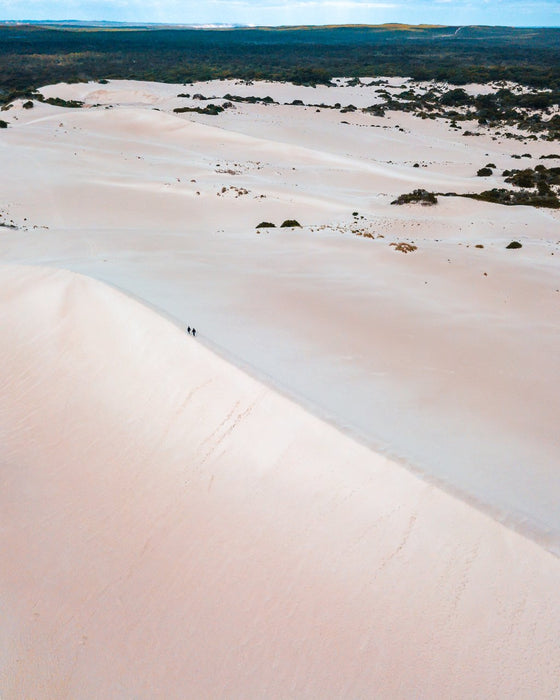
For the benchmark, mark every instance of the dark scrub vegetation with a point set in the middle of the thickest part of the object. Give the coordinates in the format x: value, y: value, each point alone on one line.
x: 417, y: 196
x: 34, y: 55
x: 534, y: 187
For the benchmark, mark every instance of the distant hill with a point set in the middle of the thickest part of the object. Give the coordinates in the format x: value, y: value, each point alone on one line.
x: 111, y: 25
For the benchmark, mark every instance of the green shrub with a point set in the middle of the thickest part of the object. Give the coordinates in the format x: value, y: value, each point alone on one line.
x: 59, y: 102
x: 455, y: 98
x: 514, y: 244
x: 422, y: 196
x: 290, y: 223
x: 522, y: 178
x: 529, y: 178
x: 484, y: 172
x: 28, y: 105
x: 266, y: 224
x: 3, y: 124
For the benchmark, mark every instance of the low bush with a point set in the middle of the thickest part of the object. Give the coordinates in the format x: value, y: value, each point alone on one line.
x: 59, y: 102
x: 417, y: 196
x: 290, y: 223
x: 212, y: 110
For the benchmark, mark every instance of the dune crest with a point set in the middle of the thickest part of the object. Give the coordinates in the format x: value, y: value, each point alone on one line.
x: 173, y: 528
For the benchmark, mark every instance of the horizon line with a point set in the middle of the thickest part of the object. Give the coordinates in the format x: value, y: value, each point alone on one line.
x: 243, y: 25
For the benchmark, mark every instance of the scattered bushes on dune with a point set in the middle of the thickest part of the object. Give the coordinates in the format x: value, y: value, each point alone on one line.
x: 251, y: 99
x: 288, y: 223
x: 515, y: 198
x: 535, y: 187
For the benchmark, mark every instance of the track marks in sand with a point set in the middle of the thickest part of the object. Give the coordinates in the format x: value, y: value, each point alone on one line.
x: 233, y: 419
x: 180, y: 411
x: 387, y: 559
x: 465, y: 575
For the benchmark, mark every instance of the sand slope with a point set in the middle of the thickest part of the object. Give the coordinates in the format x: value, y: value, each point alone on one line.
x: 173, y: 528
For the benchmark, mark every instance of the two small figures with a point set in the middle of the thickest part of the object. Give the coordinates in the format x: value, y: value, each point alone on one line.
x: 191, y: 331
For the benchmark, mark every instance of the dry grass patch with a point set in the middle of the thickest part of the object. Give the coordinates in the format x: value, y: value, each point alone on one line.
x: 404, y: 247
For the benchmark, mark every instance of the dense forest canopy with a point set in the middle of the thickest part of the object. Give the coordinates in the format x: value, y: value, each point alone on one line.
x: 33, y: 55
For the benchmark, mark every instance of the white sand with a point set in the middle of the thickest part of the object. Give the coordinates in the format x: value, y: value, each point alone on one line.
x: 173, y: 528
x: 329, y: 570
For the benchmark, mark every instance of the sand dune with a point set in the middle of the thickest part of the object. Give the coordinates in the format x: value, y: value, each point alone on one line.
x: 174, y: 528
x: 445, y: 359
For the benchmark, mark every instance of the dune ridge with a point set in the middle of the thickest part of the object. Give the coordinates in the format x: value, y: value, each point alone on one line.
x: 173, y: 527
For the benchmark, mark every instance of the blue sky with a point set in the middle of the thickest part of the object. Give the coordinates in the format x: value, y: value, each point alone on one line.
x: 274, y: 12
